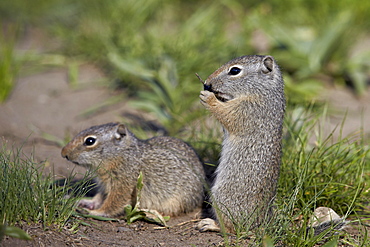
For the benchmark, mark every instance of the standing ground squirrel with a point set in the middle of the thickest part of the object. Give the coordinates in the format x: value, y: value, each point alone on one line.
x: 246, y: 95
x: 173, y: 174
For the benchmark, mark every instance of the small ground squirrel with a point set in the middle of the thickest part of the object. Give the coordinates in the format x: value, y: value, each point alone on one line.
x: 173, y: 174
x: 246, y: 95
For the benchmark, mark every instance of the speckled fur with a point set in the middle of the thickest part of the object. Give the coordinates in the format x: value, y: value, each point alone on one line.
x: 173, y: 174
x: 252, y: 118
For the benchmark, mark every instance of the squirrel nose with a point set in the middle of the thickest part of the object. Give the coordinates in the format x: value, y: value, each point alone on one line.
x: 207, y: 87
x: 64, y: 153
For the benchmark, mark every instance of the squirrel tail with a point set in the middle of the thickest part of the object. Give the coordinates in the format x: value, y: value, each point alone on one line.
x: 330, y: 227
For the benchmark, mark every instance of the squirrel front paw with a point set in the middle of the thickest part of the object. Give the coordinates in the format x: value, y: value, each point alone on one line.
x: 208, y: 99
x: 207, y: 225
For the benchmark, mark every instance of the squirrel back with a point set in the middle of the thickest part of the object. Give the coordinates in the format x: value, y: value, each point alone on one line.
x: 173, y: 174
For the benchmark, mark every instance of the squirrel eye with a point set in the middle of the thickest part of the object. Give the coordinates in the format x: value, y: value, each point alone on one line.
x: 90, y: 141
x: 234, y: 71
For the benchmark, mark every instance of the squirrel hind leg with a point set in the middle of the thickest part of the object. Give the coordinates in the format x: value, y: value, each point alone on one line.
x: 208, y: 225
x: 91, y: 204
x: 88, y: 204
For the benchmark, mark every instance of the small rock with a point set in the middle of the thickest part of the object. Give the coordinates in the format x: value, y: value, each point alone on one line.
x: 123, y: 229
x: 323, y: 214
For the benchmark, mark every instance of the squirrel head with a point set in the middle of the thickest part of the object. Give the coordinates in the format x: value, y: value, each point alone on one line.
x: 98, y: 144
x: 246, y: 76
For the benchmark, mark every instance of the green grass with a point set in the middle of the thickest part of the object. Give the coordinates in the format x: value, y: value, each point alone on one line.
x: 29, y: 196
x: 333, y: 166
x: 321, y: 42
x: 9, y: 64
x: 319, y: 169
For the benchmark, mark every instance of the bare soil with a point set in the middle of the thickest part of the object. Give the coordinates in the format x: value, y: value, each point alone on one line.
x: 43, y: 107
x: 140, y: 233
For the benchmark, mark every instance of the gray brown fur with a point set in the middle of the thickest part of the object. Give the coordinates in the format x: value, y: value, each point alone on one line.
x: 173, y: 174
x: 250, y: 106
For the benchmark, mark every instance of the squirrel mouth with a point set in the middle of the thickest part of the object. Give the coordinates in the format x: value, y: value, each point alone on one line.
x: 223, y: 97
x: 74, y: 162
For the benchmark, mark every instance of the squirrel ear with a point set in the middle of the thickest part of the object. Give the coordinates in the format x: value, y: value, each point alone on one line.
x: 268, y: 64
x: 121, y: 131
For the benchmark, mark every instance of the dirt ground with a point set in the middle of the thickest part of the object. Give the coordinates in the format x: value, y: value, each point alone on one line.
x: 181, y: 233
x: 45, y: 104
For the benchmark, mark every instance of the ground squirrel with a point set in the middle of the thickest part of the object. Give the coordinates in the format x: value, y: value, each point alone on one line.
x: 246, y: 95
x: 173, y: 173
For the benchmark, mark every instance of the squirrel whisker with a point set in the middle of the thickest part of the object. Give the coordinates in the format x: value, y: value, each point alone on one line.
x: 200, y: 79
